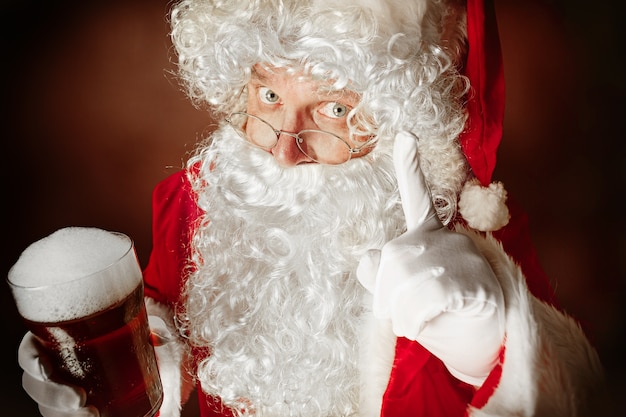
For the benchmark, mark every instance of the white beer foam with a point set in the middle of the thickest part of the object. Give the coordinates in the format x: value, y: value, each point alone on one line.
x: 72, y: 273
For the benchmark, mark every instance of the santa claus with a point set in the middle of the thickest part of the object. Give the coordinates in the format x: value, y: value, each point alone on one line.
x: 336, y: 247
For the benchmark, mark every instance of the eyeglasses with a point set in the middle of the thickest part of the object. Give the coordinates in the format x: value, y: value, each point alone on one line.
x: 321, y: 146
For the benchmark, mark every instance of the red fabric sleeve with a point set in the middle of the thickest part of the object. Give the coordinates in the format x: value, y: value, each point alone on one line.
x: 174, y: 214
x: 421, y: 386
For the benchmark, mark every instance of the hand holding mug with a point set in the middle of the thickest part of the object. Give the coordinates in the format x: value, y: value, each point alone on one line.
x: 88, y: 349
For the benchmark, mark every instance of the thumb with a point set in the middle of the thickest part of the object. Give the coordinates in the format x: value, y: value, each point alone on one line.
x: 368, y: 268
x: 159, y: 333
x: 414, y: 193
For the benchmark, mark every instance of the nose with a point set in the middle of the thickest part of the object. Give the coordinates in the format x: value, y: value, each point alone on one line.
x: 286, y: 151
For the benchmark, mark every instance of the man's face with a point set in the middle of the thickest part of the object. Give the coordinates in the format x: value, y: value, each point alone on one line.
x: 273, y: 293
x: 294, y: 103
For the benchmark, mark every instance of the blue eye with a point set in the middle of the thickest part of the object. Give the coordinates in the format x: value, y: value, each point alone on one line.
x: 268, y: 96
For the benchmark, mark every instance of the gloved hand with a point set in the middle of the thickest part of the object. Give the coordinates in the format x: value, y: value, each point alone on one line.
x: 433, y: 284
x: 55, y: 399
x: 59, y: 399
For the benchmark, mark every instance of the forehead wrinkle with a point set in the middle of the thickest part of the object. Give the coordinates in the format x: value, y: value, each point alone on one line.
x: 325, y: 91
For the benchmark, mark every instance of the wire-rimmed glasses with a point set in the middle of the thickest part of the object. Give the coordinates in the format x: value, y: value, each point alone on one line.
x: 319, y: 145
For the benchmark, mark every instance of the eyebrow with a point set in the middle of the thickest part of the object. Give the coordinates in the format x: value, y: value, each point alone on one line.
x: 255, y: 75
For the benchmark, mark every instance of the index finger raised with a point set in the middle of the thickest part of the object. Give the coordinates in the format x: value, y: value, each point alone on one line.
x: 414, y: 193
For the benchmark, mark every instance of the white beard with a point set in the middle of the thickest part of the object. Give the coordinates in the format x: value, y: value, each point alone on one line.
x: 274, y: 297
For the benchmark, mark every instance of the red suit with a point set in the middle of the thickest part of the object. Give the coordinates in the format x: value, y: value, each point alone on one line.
x: 547, y: 366
x: 419, y: 384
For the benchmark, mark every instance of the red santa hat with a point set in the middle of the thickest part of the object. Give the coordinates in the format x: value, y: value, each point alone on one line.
x: 482, y: 203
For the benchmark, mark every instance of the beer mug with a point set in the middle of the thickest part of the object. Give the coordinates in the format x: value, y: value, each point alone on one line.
x: 80, y: 292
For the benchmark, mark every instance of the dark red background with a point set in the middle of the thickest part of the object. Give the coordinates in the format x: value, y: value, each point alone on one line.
x: 93, y: 119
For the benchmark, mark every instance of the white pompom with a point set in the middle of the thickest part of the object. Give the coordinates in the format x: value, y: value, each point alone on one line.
x: 484, y: 208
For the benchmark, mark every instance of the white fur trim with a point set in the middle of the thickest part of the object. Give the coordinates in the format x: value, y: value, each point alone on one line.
x: 484, y: 208
x: 170, y: 358
x: 550, y: 368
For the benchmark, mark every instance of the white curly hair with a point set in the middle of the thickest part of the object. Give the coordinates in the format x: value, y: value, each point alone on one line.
x: 401, y: 57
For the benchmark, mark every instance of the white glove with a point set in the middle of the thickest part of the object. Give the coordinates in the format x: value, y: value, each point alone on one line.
x: 433, y: 284
x: 55, y: 399
x: 60, y: 399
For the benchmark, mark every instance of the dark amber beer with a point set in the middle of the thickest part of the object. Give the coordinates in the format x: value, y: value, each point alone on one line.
x: 91, y: 319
